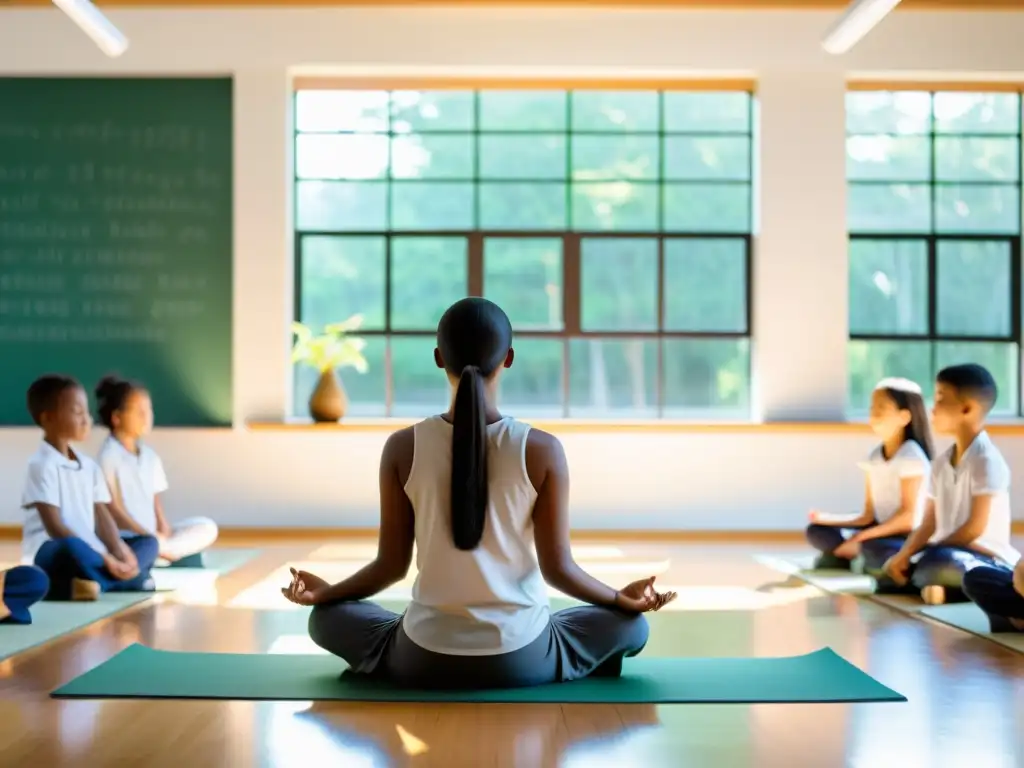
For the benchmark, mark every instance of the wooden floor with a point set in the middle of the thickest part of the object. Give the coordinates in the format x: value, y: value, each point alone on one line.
x: 966, y: 695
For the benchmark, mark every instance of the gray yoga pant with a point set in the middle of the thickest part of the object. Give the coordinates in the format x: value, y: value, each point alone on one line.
x: 578, y: 642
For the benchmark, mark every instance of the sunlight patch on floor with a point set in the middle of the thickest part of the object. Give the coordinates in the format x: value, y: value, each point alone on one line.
x: 295, y: 740
x: 266, y: 596
x: 365, y: 550
x: 411, y: 745
x: 199, y: 594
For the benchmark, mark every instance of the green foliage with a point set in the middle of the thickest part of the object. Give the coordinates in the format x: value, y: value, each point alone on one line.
x: 403, y: 167
x: 560, y: 166
x: 332, y: 349
x: 932, y: 168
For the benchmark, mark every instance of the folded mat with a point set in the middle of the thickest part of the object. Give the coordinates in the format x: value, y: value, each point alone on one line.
x: 970, y: 618
x: 52, y: 620
x: 142, y: 672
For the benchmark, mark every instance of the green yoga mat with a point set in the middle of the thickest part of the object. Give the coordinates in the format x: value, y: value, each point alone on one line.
x: 970, y: 618
x: 51, y: 620
x: 142, y: 672
x: 218, y: 562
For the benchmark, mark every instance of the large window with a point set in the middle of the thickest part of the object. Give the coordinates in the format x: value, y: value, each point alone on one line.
x: 613, y: 226
x: 934, y: 212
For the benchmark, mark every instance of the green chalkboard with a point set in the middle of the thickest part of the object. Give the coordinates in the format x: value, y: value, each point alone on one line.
x: 116, y: 239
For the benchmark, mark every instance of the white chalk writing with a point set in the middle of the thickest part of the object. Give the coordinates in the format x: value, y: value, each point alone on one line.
x: 110, y: 241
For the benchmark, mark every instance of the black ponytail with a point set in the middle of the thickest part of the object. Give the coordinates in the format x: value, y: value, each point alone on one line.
x: 474, y: 339
x: 469, y: 459
x: 111, y: 394
x: 917, y: 428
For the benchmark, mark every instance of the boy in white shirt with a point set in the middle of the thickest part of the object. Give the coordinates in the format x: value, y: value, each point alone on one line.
x: 69, y: 532
x: 967, y: 519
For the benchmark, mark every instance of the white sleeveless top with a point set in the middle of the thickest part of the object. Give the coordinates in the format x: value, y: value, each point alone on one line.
x: 490, y: 600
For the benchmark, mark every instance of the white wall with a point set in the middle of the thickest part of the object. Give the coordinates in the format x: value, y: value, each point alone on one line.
x: 656, y: 480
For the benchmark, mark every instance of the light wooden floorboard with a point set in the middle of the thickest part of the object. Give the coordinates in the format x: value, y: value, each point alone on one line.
x: 966, y: 695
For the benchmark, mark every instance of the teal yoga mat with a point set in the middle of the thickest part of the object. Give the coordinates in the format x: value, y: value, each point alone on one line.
x: 970, y: 618
x: 53, y: 620
x: 218, y: 562
x: 142, y: 672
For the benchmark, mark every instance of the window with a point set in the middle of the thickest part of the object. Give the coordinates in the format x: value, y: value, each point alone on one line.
x: 614, y: 227
x: 934, y: 211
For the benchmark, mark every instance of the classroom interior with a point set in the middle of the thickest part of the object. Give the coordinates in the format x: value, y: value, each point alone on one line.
x: 833, y: 192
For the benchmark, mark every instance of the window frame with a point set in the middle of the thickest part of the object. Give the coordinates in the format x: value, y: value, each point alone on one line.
x: 571, y: 238
x: 932, y: 237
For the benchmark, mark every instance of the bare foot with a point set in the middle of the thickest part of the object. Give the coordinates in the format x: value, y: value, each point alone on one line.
x: 933, y: 594
x: 84, y: 590
x: 1018, y: 623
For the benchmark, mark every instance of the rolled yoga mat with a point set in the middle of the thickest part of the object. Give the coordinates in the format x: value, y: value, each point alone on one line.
x: 142, y: 672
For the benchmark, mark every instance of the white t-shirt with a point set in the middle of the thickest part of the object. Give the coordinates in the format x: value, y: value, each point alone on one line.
x: 490, y: 600
x: 134, y: 479
x: 982, y: 471
x: 885, y: 478
x: 74, y: 486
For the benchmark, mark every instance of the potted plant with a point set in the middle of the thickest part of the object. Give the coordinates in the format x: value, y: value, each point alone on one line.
x: 328, y: 351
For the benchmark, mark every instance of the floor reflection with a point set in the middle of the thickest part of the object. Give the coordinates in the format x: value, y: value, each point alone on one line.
x: 966, y: 694
x: 350, y: 734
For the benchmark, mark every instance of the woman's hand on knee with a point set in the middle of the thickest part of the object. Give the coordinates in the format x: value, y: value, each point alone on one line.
x: 641, y: 597
x: 306, y: 588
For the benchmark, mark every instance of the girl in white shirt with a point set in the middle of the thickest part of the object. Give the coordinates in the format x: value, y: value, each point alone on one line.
x: 484, y: 498
x: 895, y: 490
x: 136, y: 476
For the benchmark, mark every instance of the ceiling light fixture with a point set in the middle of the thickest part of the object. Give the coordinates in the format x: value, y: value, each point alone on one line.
x: 91, y: 20
x: 860, y: 18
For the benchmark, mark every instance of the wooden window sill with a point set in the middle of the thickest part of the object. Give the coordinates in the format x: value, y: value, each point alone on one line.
x: 652, y: 426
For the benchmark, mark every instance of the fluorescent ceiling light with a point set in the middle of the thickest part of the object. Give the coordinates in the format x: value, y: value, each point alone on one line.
x: 860, y: 18
x: 91, y: 20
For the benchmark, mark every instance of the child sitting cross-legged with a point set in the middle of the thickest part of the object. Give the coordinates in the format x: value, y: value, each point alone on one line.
x: 895, y: 487
x: 967, y: 519
x: 68, y: 531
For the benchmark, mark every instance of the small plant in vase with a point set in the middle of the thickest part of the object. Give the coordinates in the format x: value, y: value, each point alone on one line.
x: 327, y: 352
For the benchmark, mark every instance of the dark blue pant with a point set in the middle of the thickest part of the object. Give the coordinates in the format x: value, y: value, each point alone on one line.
x: 24, y: 586
x: 825, y: 539
x: 188, y: 561
x: 71, y: 558
x: 991, y: 588
x: 940, y: 566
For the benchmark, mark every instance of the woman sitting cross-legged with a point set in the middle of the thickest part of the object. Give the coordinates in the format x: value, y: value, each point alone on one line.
x: 485, y: 500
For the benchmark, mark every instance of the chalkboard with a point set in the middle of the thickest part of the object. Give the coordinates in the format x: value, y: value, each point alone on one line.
x: 116, y: 239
